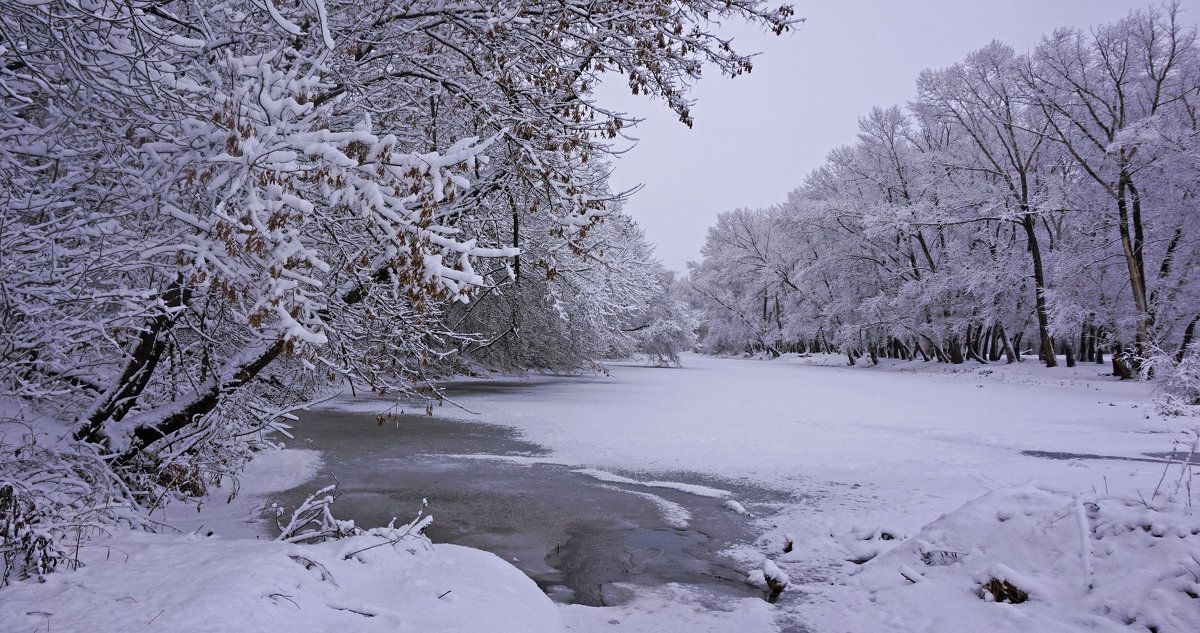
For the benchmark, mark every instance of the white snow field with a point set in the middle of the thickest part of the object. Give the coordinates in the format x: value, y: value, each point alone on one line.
x: 910, y: 499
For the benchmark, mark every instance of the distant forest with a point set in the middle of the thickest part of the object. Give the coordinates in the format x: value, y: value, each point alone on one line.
x: 1041, y: 202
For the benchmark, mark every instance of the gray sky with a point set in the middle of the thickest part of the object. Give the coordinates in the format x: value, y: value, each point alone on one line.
x: 757, y: 136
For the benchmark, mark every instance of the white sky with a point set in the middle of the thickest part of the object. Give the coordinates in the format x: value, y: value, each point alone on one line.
x: 757, y: 136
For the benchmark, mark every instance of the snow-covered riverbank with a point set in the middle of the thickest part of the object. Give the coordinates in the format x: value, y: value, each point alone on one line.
x: 876, y: 454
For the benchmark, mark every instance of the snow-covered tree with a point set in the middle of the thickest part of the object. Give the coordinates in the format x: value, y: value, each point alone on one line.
x: 1110, y: 97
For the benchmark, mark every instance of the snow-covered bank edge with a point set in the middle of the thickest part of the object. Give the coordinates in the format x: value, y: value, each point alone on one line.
x: 214, y: 566
x: 139, y: 581
x: 1017, y: 559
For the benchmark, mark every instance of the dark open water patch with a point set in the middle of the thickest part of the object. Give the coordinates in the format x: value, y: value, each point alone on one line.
x: 576, y: 536
x: 1156, y: 458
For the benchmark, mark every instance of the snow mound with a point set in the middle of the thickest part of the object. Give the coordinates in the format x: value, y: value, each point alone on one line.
x: 734, y: 506
x: 1060, y: 561
x: 185, y: 584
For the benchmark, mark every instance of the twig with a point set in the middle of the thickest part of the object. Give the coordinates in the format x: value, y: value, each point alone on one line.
x: 285, y: 597
x: 1164, y: 475
x: 155, y: 617
x: 407, y: 533
x: 1186, y: 467
x: 445, y: 594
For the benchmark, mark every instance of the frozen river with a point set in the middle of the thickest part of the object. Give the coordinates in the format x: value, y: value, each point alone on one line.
x: 611, y: 489
x: 584, y: 538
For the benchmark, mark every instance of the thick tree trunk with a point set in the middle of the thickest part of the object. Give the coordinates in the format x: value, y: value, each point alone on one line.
x: 1130, y: 229
x: 202, y: 404
x: 975, y: 342
x: 1120, y: 368
x: 1083, y: 343
x: 955, y: 351
x: 1189, y: 333
x: 1039, y: 283
x: 123, y: 395
x: 516, y: 237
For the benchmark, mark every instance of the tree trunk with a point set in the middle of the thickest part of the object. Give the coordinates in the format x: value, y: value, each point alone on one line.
x: 516, y: 239
x: 955, y: 351
x: 921, y: 348
x: 1131, y: 248
x: 975, y: 342
x: 1119, y: 367
x: 1008, y: 349
x: 115, y: 403
x: 1039, y: 284
x: 973, y: 355
x: 1188, y: 334
x: 202, y: 404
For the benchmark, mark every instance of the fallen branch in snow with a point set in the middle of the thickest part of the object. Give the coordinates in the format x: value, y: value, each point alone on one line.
x: 416, y: 528
x: 309, y: 563
x: 312, y: 521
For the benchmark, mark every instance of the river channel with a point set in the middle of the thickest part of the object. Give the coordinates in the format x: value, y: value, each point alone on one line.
x: 585, y: 537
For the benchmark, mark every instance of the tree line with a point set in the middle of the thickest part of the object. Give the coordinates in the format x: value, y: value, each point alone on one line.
x: 1039, y: 202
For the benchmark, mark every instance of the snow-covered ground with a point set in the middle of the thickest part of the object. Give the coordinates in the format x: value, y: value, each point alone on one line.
x: 911, y: 489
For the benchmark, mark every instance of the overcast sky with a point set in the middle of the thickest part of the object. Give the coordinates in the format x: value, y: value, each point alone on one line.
x: 757, y: 136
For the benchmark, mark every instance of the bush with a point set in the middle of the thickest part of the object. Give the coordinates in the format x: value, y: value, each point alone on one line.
x: 51, y: 500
